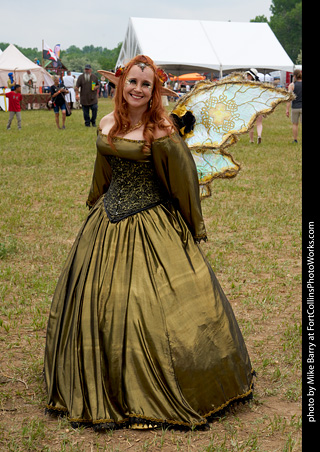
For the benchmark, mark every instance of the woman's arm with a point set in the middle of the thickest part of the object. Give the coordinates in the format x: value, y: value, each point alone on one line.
x: 176, y: 169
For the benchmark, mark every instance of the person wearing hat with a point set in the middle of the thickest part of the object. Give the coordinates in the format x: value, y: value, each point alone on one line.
x: 11, y: 83
x: 252, y: 74
x: 88, y: 84
x: 140, y: 333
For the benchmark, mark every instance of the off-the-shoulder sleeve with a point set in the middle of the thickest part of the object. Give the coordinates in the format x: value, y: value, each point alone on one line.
x: 100, y: 180
x: 176, y: 169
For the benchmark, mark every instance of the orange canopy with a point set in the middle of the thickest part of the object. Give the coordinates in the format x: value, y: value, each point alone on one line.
x: 187, y: 77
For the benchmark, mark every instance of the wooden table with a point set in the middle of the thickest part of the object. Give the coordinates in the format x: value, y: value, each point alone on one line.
x: 41, y: 98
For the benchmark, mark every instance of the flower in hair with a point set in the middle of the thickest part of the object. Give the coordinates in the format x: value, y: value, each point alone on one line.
x: 162, y: 75
x: 119, y: 71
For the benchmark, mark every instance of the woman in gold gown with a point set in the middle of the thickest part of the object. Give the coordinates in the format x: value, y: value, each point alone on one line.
x: 140, y: 331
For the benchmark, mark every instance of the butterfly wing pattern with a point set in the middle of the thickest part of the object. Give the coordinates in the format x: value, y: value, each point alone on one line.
x: 213, y: 116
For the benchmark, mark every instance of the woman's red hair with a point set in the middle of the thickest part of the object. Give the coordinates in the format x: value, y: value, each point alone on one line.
x: 155, y: 116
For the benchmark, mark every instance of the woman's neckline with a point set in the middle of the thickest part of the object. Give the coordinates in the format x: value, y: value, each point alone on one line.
x: 132, y: 140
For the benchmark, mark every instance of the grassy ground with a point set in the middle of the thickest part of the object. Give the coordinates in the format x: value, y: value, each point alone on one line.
x: 254, y: 247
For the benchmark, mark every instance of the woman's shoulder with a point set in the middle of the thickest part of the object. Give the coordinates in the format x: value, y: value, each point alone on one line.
x: 167, y: 131
x: 106, y: 123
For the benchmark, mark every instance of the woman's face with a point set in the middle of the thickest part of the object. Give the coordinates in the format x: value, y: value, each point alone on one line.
x: 138, y: 86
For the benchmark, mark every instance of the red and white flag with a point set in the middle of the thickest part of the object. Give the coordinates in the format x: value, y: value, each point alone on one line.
x: 48, y: 54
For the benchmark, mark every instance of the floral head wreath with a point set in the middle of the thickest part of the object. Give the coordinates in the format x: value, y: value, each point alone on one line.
x: 114, y: 78
x: 119, y: 71
x: 163, y: 77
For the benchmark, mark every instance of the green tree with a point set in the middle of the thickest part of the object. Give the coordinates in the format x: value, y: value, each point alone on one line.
x: 75, y: 59
x: 72, y: 50
x: 29, y: 52
x: 286, y: 23
x: 279, y: 7
x: 262, y: 18
x: 75, y: 62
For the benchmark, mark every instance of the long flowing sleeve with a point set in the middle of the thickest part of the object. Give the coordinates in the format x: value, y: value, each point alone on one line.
x: 176, y: 169
x: 100, y: 180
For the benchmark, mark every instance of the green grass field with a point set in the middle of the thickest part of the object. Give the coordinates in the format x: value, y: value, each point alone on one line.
x: 254, y: 227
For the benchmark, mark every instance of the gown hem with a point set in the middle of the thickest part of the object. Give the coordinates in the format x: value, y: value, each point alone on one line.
x: 138, y: 418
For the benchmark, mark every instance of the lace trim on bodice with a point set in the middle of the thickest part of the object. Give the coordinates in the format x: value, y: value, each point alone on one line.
x: 134, y: 187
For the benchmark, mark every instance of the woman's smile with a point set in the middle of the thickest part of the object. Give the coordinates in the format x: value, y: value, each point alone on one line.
x: 135, y: 96
x: 138, y: 86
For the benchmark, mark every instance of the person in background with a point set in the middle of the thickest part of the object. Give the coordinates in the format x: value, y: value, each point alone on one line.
x: 29, y: 81
x: 68, y: 82
x: 29, y: 85
x: 88, y: 84
x: 106, y: 89
x: 15, y: 98
x: 11, y: 83
x: 101, y: 89
x: 59, y: 102
x: 296, y: 105
x: 252, y: 74
x: 111, y: 88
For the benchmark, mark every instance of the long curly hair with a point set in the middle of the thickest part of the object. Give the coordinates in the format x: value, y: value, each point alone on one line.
x: 154, y: 116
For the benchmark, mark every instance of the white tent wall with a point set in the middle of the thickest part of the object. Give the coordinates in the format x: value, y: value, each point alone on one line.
x: 181, y: 46
x: 12, y: 60
x: 241, y: 45
x: 130, y: 44
x: 170, y: 43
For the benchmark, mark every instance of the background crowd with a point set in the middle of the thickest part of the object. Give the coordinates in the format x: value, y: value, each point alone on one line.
x: 69, y: 92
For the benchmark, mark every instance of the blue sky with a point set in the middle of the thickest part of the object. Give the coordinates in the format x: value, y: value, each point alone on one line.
x: 104, y: 23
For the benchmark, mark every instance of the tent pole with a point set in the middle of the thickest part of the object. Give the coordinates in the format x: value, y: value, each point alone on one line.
x: 5, y: 99
x: 42, y: 53
x: 221, y: 72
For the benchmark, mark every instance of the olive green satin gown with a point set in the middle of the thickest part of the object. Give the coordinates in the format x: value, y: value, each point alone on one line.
x: 139, y: 328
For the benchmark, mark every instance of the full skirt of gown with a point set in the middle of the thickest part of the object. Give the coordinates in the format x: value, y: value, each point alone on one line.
x: 140, y: 328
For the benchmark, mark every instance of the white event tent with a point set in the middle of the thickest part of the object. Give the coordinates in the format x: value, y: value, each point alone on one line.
x: 12, y: 60
x: 181, y: 46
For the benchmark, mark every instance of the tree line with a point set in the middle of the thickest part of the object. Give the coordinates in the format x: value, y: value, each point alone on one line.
x: 285, y: 21
x: 75, y: 58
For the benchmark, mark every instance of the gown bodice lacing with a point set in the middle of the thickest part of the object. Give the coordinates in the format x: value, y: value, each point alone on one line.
x: 134, y: 187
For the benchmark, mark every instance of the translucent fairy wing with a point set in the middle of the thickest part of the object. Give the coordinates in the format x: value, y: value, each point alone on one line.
x: 214, y: 114
x: 215, y: 163
x: 226, y: 109
x: 212, y: 164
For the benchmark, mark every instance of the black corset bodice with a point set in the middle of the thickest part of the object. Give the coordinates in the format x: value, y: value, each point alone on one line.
x: 134, y: 187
